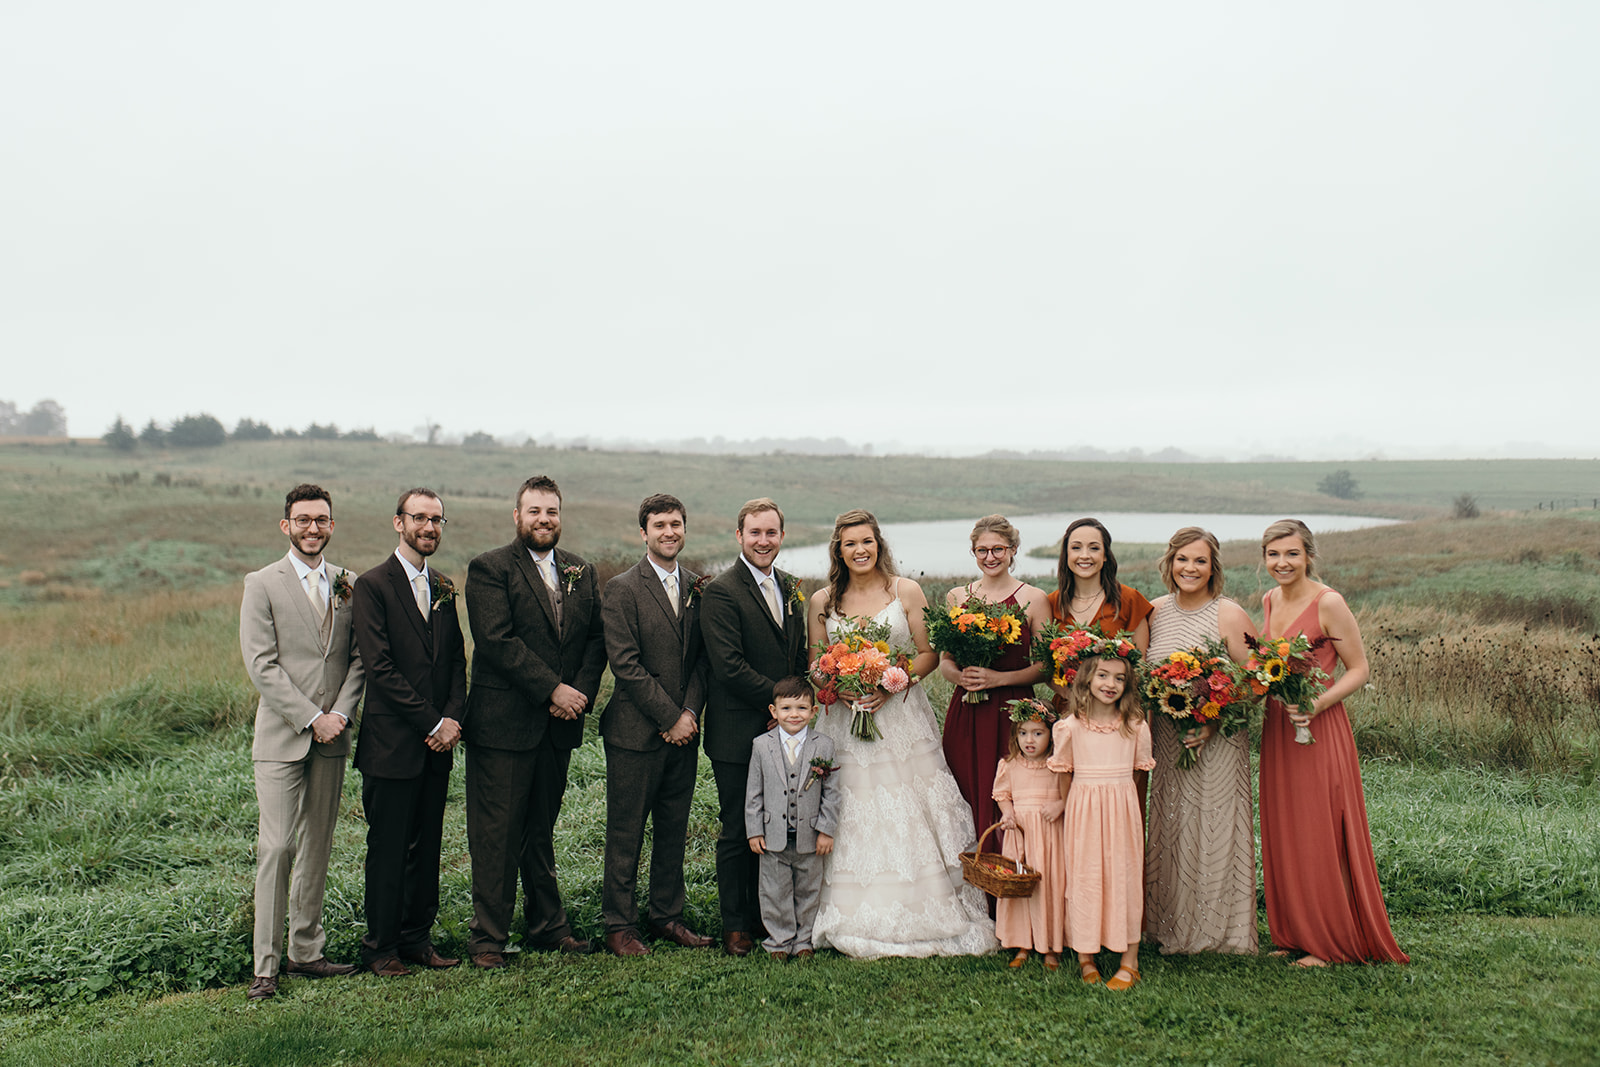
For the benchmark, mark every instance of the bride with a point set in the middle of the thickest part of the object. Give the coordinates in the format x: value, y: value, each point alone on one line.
x: 892, y: 886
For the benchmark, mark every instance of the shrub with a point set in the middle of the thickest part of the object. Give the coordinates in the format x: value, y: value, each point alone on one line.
x: 1341, y: 484
x: 1465, y: 506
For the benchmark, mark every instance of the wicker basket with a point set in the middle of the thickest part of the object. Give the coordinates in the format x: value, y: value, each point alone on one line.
x: 1011, y: 879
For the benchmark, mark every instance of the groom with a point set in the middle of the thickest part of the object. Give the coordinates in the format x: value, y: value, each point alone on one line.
x: 755, y: 633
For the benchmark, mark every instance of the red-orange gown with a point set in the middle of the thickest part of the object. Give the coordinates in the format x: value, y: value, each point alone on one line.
x: 1323, y: 896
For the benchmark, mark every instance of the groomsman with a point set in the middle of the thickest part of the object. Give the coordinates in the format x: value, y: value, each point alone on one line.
x: 295, y: 635
x: 416, y: 663
x: 538, y: 654
x: 650, y: 726
x: 755, y: 634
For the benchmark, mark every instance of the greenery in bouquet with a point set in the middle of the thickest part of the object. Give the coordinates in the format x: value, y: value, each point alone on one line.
x: 1195, y: 688
x: 1283, y: 670
x: 855, y: 662
x: 1063, y: 648
x: 974, y: 632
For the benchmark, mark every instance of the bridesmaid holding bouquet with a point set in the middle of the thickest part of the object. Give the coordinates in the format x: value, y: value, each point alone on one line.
x: 977, y: 735
x: 1088, y: 593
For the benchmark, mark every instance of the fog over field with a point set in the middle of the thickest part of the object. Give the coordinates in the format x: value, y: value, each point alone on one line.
x: 921, y: 226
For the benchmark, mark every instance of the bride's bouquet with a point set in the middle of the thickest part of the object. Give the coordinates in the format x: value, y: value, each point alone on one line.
x: 1062, y: 648
x: 854, y: 662
x: 974, y: 632
x: 1196, y: 687
x: 1283, y: 670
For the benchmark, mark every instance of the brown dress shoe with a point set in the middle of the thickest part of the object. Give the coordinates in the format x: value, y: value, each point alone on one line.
x: 569, y: 945
x: 778, y: 957
x: 431, y: 958
x: 676, y: 932
x: 626, y: 943
x: 803, y: 954
x: 263, y: 987
x: 389, y: 967
x: 737, y: 943
x: 489, y: 961
x: 322, y: 967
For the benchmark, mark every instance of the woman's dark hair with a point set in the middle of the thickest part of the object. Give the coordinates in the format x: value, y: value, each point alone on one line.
x: 1108, y: 573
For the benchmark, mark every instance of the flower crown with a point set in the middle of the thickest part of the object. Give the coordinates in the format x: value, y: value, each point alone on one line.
x: 1030, y: 710
x: 1064, y: 649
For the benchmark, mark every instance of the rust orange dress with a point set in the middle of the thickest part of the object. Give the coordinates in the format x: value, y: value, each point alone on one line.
x: 1323, y: 896
x: 1133, y: 610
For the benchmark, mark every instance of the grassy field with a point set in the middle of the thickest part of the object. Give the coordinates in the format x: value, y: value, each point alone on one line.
x: 127, y: 809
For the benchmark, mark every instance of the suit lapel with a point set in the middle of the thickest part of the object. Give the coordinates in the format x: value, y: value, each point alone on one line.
x: 761, y: 601
x: 530, y: 574
x: 563, y: 561
x: 408, y: 597
x: 658, y: 593
x: 296, y: 591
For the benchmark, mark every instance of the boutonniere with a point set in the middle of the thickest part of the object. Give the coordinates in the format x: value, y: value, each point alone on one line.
x: 697, y: 589
x: 793, y: 594
x: 342, y: 587
x: 820, y: 769
x: 571, y: 574
x: 445, y: 592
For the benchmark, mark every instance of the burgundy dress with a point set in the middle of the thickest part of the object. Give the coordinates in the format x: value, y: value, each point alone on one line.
x: 978, y: 736
x: 1322, y: 889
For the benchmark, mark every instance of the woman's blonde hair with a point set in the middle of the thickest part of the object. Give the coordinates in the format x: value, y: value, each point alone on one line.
x: 996, y: 524
x: 838, y: 573
x: 1292, y: 528
x: 1182, y: 539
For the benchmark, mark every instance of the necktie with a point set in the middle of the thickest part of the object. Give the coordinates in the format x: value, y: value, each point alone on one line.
x: 671, y: 582
x: 319, y: 607
x: 791, y: 744
x: 548, y: 570
x: 769, y: 588
x: 419, y: 586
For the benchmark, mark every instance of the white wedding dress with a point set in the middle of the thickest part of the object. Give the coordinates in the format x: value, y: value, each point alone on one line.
x: 892, y: 886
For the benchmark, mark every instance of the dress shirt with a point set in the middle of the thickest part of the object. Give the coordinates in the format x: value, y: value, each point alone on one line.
x: 318, y: 574
x: 762, y: 579
x: 683, y: 593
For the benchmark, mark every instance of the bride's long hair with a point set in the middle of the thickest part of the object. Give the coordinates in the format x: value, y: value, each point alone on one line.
x: 838, y: 573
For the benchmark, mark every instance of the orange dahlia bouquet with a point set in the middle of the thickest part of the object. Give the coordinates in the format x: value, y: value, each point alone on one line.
x: 853, y: 664
x: 974, y: 632
x: 1196, y: 687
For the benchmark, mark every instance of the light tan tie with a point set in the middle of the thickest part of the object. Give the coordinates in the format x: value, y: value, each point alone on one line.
x: 319, y: 607
x: 671, y: 582
x: 419, y: 586
x: 552, y: 584
x: 791, y: 744
x: 770, y: 590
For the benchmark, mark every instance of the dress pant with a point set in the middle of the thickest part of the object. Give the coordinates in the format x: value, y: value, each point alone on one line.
x: 791, y: 890
x: 405, y: 822
x: 513, y: 798
x: 738, y: 869
x: 657, y: 785
x: 299, y: 805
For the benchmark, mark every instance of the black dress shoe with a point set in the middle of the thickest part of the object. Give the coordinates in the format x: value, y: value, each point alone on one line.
x: 321, y: 967
x: 430, y: 958
x: 676, y: 932
x: 626, y: 943
x: 263, y: 987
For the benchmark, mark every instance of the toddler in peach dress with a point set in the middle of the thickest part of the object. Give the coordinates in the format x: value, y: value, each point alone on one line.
x: 1029, y: 796
x: 1097, y: 749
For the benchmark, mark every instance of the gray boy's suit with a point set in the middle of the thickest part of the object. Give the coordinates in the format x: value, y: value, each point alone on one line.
x: 779, y: 806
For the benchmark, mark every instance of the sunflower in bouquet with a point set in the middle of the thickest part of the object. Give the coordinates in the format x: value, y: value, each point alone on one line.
x: 1195, y: 688
x: 1062, y: 648
x: 1282, y: 669
x: 853, y: 663
x: 974, y: 632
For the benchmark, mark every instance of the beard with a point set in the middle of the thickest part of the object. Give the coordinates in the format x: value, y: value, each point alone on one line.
x: 538, y: 540
x: 422, y: 548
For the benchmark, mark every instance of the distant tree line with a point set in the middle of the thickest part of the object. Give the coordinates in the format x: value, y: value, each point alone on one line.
x: 206, y: 431
x: 44, y: 419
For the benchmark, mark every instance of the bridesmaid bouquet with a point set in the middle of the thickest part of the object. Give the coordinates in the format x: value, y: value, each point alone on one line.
x: 853, y: 663
x: 1195, y: 687
x: 1064, y: 647
x: 1283, y: 670
x: 974, y: 632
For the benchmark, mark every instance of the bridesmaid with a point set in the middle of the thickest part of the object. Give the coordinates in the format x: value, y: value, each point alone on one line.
x: 1088, y: 593
x: 1323, y: 896
x: 978, y: 736
x: 1200, y: 857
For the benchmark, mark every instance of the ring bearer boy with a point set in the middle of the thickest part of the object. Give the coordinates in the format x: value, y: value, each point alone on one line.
x: 790, y: 800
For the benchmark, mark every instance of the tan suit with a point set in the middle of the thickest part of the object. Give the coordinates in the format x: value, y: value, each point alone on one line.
x: 301, y: 668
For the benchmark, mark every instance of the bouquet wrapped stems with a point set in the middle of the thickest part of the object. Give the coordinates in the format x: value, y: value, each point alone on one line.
x: 855, y: 663
x: 1283, y: 670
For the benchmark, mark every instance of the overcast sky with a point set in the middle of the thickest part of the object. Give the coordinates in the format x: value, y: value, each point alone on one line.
x: 1231, y: 227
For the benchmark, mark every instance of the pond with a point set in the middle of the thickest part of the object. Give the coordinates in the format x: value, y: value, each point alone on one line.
x: 943, y: 548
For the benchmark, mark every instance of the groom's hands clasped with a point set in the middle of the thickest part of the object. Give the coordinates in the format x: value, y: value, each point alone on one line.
x: 567, y: 702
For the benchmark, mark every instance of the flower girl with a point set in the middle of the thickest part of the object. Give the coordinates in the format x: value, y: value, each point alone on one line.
x: 1029, y: 796
x: 1097, y: 749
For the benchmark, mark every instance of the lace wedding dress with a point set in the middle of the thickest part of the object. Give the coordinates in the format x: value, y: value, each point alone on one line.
x: 892, y: 886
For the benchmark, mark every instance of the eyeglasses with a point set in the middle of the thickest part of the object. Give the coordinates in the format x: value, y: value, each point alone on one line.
x: 321, y: 522
x: 423, y: 520
x: 995, y: 552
